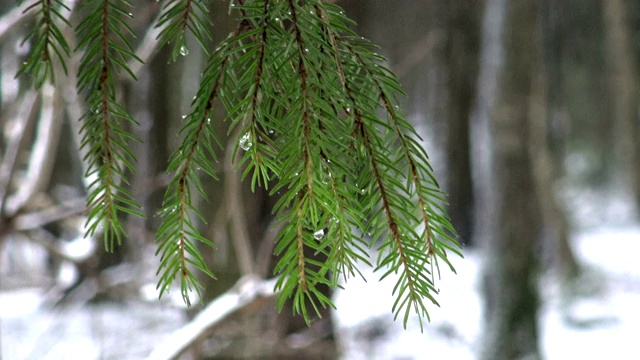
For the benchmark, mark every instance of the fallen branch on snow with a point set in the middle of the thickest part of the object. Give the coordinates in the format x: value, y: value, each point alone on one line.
x: 248, y: 292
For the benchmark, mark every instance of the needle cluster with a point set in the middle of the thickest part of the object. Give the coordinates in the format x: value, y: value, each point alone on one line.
x: 315, y: 116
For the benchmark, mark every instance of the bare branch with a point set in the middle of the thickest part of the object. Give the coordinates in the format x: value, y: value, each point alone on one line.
x: 248, y: 292
x: 265, y: 251
x: 42, y: 153
x: 147, y: 48
x: 11, y: 19
x: 51, y: 214
x: 23, y: 116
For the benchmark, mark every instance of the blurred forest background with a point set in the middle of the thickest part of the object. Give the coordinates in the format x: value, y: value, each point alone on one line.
x: 528, y: 109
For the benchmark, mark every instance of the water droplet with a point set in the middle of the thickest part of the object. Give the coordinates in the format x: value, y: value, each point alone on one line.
x: 245, y: 141
x: 184, y: 50
x: 184, y: 117
x: 306, y: 50
x: 271, y: 131
x: 209, y: 121
x: 318, y: 235
x: 362, y: 191
x: 277, y: 18
x: 327, y: 178
x: 130, y: 15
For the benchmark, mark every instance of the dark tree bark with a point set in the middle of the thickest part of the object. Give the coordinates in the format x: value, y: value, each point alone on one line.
x: 461, y: 60
x: 548, y: 147
x: 624, y: 86
x: 556, y: 225
x: 511, y: 296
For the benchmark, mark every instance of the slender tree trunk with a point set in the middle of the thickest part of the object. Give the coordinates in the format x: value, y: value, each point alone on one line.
x: 461, y: 62
x: 509, y: 276
x: 624, y: 86
x: 553, y: 215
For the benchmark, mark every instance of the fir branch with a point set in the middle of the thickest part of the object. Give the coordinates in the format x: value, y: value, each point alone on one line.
x: 307, y: 193
x: 420, y: 172
x: 47, y: 41
x: 255, y: 141
x: 401, y: 249
x: 178, y: 230
x: 411, y: 251
x: 179, y: 16
x: 103, y: 35
x: 346, y: 248
x: 313, y: 169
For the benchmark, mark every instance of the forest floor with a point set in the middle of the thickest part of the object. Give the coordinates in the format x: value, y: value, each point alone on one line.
x: 599, y: 320
x: 596, y: 318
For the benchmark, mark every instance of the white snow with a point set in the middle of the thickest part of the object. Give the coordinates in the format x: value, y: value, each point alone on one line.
x: 602, y: 322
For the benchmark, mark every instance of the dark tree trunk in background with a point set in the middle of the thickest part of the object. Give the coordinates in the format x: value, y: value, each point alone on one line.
x: 624, y: 86
x: 461, y: 60
x: 511, y: 296
x: 556, y: 224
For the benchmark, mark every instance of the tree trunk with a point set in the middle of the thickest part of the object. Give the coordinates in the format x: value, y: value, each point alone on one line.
x: 511, y: 296
x: 461, y: 63
x: 624, y: 87
x: 553, y: 215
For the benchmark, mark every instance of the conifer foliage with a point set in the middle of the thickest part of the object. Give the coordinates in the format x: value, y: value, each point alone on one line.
x: 317, y: 124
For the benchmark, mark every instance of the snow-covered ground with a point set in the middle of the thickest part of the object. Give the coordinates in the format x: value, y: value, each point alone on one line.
x: 603, y: 322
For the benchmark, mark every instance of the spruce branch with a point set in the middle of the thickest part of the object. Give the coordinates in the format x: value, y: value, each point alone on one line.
x: 255, y: 140
x: 180, y: 16
x: 177, y: 232
x: 421, y: 178
x: 314, y: 161
x: 408, y: 251
x: 314, y: 118
x: 402, y: 249
x: 46, y: 40
x: 103, y: 37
